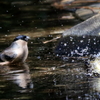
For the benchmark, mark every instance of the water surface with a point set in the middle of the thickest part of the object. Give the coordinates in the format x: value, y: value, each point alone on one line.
x: 44, y: 76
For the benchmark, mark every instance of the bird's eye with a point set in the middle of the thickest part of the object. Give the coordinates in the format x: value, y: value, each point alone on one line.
x: 22, y: 37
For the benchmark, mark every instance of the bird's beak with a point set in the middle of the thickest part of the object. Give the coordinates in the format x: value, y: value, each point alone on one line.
x: 27, y: 38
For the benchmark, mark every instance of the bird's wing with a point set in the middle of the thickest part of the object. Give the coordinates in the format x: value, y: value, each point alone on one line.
x: 1, y: 58
x: 8, y: 56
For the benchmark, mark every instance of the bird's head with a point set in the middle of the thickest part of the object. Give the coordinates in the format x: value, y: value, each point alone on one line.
x: 22, y: 37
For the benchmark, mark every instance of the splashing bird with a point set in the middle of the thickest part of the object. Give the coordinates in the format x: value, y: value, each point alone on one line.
x: 16, y: 52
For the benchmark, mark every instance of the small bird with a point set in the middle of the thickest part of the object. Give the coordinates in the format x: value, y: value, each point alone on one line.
x: 16, y: 52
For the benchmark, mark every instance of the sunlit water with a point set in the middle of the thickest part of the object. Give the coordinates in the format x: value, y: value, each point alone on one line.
x: 45, y: 76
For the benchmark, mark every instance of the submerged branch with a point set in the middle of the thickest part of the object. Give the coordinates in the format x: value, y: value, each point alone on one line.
x: 54, y: 39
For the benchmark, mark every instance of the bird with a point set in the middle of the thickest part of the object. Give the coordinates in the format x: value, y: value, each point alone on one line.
x: 17, y: 52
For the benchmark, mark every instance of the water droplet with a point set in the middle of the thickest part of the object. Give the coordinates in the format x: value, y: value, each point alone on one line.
x: 83, y: 36
x: 22, y: 21
x: 38, y: 57
x: 71, y: 39
x: 73, y: 42
x: 50, y: 35
x: 73, y: 60
x: 94, y: 39
x: 6, y: 35
x: 53, y: 68
x: 57, y: 55
x: 61, y: 42
x: 78, y: 48
x: 81, y: 41
x: 59, y: 48
x: 79, y: 97
x: 65, y: 44
x: 72, y: 52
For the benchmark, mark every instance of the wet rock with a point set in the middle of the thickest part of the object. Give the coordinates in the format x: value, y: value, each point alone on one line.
x: 82, y: 40
x: 89, y: 27
x: 81, y: 10
x: 87, y: 11
x: 78, y: 46
x: 84, y: 14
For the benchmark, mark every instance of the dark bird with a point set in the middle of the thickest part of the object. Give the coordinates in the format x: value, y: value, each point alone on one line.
x: 16, y: 52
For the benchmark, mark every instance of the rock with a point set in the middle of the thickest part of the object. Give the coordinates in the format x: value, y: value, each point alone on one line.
x: 86, y: 12
x: 89, y: 27
x: 82, y: 40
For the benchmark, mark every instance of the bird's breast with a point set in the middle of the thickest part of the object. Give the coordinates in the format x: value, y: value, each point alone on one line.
x: 21, y: 53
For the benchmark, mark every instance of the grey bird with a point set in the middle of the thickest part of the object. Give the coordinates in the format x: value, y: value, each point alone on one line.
x: 16, y: 52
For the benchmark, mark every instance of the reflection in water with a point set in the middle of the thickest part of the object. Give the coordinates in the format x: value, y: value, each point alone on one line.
x: 96, y: 84
x: 19, y: 75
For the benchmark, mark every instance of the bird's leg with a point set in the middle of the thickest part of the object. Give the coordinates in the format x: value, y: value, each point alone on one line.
x: 4, y: 63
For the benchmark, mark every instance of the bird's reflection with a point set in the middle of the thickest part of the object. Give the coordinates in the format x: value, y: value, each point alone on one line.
x: 18, y: 74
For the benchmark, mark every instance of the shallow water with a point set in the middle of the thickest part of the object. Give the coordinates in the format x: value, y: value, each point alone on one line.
x: 46, y: 77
